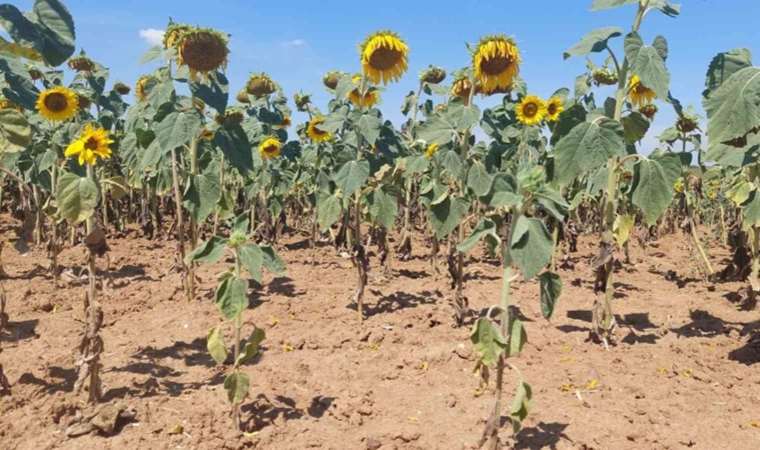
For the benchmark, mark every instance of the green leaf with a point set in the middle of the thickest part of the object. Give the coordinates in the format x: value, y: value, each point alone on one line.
x: 152, y: 54
x: 215, y: 345
x: 252, y: 258
x: 48, y: 28
x: 751, y: 211
x: 443, y: 128
x: 485, y: 228
x: 214, y: 90
x: 452, y: 162
x: 587, y: 147
x: 251, y: 347
x: 723, y: 65
x: 517, y: 336
x: 653, y: 190
x: 593, y: 42
x: 650, y: 67
x: 77, y: 197
x: 352, y: 176
x: 236, y: 384
x: 201, y: 195
x: 383, y: 208
x: 488, y: 341
x: 733, y: 110
x: 177, y: 129
x: 520, y: 405
x: 600, y: 5
x: 446, y: 215
x: 329, y: 210
x: 232, y: 297
x: 635, y: 127
x: 369, y: 127
x: 551, y: 288
x: 209, y: 252
x: 235, y: 146
x: 272, y: 261
x: 478, y: 179
x: 15, y: 132
x: 531, y: 246
x: 622, y: 227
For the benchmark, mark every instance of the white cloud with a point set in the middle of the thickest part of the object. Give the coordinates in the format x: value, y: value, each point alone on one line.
x: 294, y: 43
x: 152, y: 36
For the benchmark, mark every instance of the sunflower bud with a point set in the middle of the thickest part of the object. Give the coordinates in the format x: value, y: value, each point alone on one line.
x: 604, y: 77
x: 121, y: 88
x: 433, y: 75
x: 260, y: 85
x: 237, y: 238
x: 81, y: 64
x: 36, y: 74
x: 331, y: 79
x: 302, y: 101
x: 84, y: 102
x: 649, y: 111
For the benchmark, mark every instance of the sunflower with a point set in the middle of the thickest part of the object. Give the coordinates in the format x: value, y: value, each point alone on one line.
x: 331, y: 79
x: 121, y: 88
x: 173, y: 34
x: 433, y: 75
x: 81, y: 64
x: 242, y: 97
x: 604, y: 77
x: 143, y: 86
x: 554, y: 108
x: 639, y: 94
x: 286, y: 122
x: 649, y: 111
x: 431, y: 150
x: 366, y: 100
x: 260, y: 85
x: 531, y: 110
x: 679, y: 185
x: 270, y: 147
x: 461, y: 88
x: 202, y: 51
x: 686, y: 123
x: 58, y: 103
x: 496, y: 62
x: 302, y: 101
x: 315, y: 133
x: 384, y: 57
x: 7, y: 104
x: 92, y: 143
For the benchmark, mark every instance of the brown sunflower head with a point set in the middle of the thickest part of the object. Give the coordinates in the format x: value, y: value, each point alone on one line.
x: 302, y: 101
x: 143, y: 86
x: 686, y: 124
x: 649, y: 110
x: 35, y: 74
x: 461, y: 89
x: 604, y: 77
x: 173, y: 34
x: 202, y: 51
x: 260, y: 85
x: 121, y: 88
x: 81, y: 64
x: 433, y: 75
x: 331, y: 79
x: 84, y: 102
x: 242, y: 97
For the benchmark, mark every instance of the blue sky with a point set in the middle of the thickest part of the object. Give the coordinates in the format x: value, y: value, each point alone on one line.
x: 297, y: 41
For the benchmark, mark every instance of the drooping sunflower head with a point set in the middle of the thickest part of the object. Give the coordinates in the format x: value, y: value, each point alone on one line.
x: 93, y: 143
x: 315, y: 133
x: 35, y: 73
x: 604, y: 77
x: 366, y: 99
x: 84, y: 102
x: 461, y: 88
x: 242, y: 97
x: 231, y: 117
x: 531, y: 110
x: 143, y: 86
x: 496, y: 62
x: 384, y: 57
x: 431, y: 150
x: 260, y: 85
x: 270, y: 148
x: 284, y: 123
x: 554, y: 107
x: 58, y: 103
x: 121, y: 88
x: 202, y: 51
x: 687, y: 123
x: 173, y: 34
x: 302, y: 101
x: 81, y: 63
x: 433, y: 75
x: 331, y: 79
x: 639, y: 94
x: 649, y: 110
x: 7, y: 104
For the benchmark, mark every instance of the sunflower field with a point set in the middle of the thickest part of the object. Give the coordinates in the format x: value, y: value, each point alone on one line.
x: 190, y: 264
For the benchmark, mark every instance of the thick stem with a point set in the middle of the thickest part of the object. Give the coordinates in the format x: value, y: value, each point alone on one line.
x: 221, y: 184
x: 236, y: 349
x: 186, y: 271
x: 193, y: 173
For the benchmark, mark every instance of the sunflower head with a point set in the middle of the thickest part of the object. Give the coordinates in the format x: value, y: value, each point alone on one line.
x: 207, y: 135
x: 686, y: 123
x: 35, y: 74
x: 496, y: 62
x: 461, y: 89
x: 58, y: 103
x: 173, y: 33
x: 270, y: 148
x: 531, y: 110
x: 679, y: 185
x: 121, y: 88
x: 639, y: 94
x: 202, y: 50
x: 284, y: 123
x: 81, y: 64
x: 554, y: 107
x: 431, y: 150
x: 433, y: 75
x: 84, y: 102
x: 331, y: 79
x: 604, y: 77
x: 93, y: 143
x: 143, y: 86
x: 260, y: 85
x: 7, y: 104
x: 233, y: 116
x: 315, y: 133
x: 366, y: 99
x: 302, y: 101
x: 384, y: 57
x: 649, y: 110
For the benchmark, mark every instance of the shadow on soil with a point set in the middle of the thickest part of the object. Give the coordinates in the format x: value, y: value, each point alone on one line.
x: 263, y: 412
x: 543, y: 435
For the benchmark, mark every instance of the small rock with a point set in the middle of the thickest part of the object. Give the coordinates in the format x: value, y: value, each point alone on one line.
x: 373, y: 443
